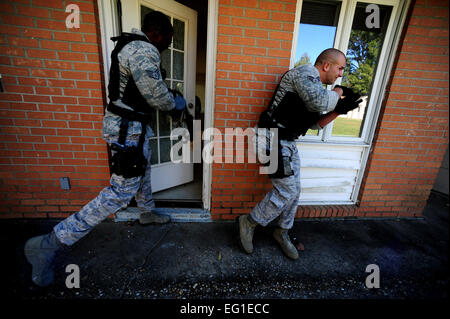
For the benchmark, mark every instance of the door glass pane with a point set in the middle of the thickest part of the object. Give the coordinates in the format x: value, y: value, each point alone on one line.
x: 154, y: 147
x: 166, y: 63
x: 363, y: 54
x: 178, y: 34
x: 153, y: 116
x: 178, y: 65
x: 165, y: 145
x: 144, y: 11
x: 164, y: 124
x: 317, y: 31
x: 178, y: 86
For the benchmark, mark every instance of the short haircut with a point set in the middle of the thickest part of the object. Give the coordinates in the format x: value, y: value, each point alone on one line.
x: 156, y: 21
x: 328, y: 55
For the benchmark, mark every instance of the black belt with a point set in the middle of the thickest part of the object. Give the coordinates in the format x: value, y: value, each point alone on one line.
x: 127, y: 116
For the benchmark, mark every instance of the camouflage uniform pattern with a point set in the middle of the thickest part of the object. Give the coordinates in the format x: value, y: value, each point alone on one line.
x: 305, y: 81
x: 282, y: 200
x: 141, y: 60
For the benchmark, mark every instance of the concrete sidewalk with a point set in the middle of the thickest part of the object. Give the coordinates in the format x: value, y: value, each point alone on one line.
x: 204, y: 260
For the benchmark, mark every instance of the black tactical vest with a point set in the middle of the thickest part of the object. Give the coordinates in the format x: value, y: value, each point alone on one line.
x: 290, y: 116
x: 131, y: 96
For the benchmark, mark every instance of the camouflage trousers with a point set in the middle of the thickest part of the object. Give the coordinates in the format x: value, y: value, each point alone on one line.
x: 282, y: 200
x: 111, y: 199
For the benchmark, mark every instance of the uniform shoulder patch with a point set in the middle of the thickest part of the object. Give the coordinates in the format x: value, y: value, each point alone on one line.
x: 154, y: 74
x: 313, y: 79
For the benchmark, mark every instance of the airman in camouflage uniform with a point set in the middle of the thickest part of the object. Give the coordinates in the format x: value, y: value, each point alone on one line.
x: 140, y: 61
x: 301, y: 85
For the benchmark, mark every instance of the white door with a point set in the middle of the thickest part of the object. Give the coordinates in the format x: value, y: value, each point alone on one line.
x: 179, y: 61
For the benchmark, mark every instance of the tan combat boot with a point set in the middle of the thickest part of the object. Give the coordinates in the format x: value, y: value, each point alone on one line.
x: 282, y: 237
x: 246, y: 230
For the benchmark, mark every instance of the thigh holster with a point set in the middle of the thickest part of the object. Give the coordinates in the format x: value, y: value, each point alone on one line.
x: 128, y: 161
x: 284, y: 168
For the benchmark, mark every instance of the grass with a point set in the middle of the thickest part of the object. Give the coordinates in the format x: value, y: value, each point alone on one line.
x: 346, y: 127
x: 342, y: 127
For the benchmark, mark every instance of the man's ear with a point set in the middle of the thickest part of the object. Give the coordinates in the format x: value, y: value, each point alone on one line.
x: 153, y: 36
x: 326, y: 66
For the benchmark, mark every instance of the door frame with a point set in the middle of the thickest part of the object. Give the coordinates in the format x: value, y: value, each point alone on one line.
x: 109, y: 27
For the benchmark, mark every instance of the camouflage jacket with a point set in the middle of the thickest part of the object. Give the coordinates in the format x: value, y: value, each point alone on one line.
x: 305, y: 81
x: 142, y: 61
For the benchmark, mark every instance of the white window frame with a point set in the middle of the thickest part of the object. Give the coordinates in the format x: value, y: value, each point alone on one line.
x: 383, y: 71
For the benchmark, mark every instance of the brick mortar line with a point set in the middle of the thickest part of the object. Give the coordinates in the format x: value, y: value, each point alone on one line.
x: 47, y: 29
x: 254, y: 46
x: 415, y: 93
x: 233, y: 6
x: 243, y: 28
x: 45, y: 18
x: 17, y: 5
x: 421, y: 94
x: 404, y: 52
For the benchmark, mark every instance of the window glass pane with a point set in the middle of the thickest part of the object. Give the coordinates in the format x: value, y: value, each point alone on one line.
x: 317, y: 31
x: 154, y: 148
x: 178, y: 34
x: 165, y: 145
x: 363, y: 54
x: 178, y: 65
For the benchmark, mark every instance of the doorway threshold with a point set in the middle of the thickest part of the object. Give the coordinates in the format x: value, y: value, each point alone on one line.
x: 176, y: 214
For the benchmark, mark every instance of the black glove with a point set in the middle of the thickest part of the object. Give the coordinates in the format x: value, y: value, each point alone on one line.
x: 348, y: 92
x: 347, y: 104
x: 177, y: 112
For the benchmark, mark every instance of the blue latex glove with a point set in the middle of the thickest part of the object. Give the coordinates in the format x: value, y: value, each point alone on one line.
x: 180, y: 103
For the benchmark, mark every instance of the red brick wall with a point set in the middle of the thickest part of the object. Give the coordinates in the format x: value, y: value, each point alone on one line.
x: 412, y: 138
x: 253, y: 51
x: 51, y: 112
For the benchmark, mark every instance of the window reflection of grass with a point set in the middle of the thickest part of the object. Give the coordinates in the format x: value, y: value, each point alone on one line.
x: 346, y: 127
